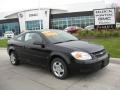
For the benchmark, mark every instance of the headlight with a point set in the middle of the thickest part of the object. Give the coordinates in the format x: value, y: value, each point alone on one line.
x: 81, y: 55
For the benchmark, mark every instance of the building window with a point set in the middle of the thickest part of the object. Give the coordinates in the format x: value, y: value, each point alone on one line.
x: 34, y: 25
x: 80, y: 21
x: 13, y: 26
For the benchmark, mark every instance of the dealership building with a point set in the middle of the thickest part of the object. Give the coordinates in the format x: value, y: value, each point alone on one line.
x: 37, y: 19
x: 44, y: 18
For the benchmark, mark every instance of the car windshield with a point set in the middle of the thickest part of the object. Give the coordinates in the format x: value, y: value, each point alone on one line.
x: 57, y: 36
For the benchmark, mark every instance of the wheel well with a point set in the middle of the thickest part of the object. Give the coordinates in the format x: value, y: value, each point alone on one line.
x: 56, y: 56
x: 10, y: 51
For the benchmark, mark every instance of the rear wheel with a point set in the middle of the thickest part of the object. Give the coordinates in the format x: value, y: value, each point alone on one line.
x: 13, y: 58
x: 59, y: 68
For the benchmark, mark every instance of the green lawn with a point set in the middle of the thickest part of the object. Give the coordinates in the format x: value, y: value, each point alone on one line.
x: 112, y: 45
x: 3, y: 43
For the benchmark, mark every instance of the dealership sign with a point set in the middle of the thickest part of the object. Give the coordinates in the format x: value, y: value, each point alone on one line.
x: 104, y: 16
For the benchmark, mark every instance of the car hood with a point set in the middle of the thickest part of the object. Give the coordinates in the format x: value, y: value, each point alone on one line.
x: 81, y: 46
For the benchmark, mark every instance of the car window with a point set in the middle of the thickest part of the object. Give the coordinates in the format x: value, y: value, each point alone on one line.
x: 20, y: 38
x: 32, y: 37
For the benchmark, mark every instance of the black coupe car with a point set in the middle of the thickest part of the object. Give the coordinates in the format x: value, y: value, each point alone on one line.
x: 60, y: 51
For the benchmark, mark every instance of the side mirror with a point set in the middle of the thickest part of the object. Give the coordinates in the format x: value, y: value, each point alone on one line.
x: 39, y: 43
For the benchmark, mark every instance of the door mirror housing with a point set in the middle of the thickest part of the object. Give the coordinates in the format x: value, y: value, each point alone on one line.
x: 39, y: 43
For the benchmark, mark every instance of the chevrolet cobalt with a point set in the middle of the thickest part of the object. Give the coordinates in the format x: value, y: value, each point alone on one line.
x: 57, y: 50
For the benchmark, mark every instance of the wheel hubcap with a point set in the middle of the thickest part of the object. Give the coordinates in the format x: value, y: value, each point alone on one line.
x: 12, y: 58
x: 58, y: 69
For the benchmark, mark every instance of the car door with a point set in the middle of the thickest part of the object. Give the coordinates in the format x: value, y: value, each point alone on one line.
x: 35, y: 54
x: 19, y: 45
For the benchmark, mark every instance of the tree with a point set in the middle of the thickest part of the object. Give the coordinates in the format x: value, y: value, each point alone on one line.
x: 118, y: 14
x: 117, y: 11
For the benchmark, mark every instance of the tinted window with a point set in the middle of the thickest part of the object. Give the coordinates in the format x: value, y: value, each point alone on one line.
x: 20, y: 38
x: 31, y: 37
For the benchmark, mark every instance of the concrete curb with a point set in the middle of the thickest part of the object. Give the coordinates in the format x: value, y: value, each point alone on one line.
x: 115, y: 60
x: 3, y: 48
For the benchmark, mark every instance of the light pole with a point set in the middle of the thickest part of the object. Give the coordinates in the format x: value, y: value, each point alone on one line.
x: 39, y: 13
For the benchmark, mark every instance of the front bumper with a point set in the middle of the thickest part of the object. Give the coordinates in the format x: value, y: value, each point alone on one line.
x: 90, y: 65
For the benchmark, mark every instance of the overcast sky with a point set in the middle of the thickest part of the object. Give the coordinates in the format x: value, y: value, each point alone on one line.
x: 16, y: 5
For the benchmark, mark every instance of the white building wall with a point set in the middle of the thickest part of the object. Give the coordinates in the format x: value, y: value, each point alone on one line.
x: 42, y: 14
x: 21, y: 21
x: 56, y: 11
x: 13, y: 16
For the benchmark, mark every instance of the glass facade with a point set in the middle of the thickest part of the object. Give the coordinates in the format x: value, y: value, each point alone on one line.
x: 34, y: 25
x: 13, y: 26
x: 80, y: 21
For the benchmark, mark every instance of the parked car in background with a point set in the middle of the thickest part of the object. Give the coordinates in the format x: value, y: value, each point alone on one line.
x: 57, y: 50
x: 117, y: 25
x: 90, y: 27
x: 8, y: 34
x: 72, y: 29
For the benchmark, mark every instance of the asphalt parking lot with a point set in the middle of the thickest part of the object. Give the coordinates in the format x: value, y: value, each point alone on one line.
x: 28, y: 77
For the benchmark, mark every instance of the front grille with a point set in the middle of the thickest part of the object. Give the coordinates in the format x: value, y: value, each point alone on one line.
x: 99, y: 53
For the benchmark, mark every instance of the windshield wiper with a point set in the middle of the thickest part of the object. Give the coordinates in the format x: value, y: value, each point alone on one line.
x: 58, y: 42
x: 70, y: 40
x: 64, y: 41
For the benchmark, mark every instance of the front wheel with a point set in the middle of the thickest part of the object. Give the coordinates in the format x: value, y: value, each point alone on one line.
x: 59, y: 68
x: 13, y: 58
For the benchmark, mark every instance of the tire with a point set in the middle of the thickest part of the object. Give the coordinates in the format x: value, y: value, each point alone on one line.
x: 13, y: 58
x: 59, y: 68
